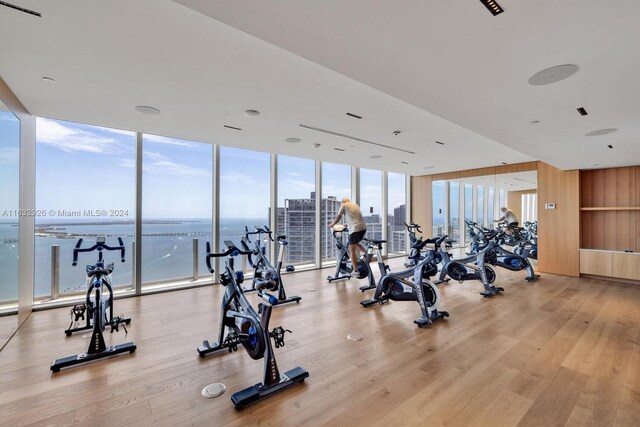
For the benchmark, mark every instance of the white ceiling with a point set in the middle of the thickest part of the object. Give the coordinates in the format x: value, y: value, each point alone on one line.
x: 402, y: 65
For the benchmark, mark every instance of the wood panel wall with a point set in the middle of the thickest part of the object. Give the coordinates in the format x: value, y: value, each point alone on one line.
x: 615, y: 228
x: 558, y: 229
x: 514, y: 202
x: 421, y: 203
x: 27, y: 198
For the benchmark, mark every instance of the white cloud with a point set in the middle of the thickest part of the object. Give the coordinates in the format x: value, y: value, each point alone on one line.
x: 116, y: 131
x: 9, y: 155
x: 167, y: 141
x: 70, y: 140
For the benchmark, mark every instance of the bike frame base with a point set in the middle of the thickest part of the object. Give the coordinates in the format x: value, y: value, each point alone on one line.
x: 78, y: 359
x: 255, y: 393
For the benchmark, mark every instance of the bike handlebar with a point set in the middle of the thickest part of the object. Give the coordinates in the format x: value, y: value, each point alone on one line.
x: 232, y: 250
x: 258, y: 231
x: 100, y: 247
x: 413, y: 225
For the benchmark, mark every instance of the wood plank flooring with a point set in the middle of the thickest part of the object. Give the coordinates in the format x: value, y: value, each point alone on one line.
x: 561, y: 351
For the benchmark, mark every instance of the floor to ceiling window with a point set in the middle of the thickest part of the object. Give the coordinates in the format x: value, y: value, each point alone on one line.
x: 454, y: 211
x: 397, y: 212
x: 468, y: 206
x: 490, y: 206
x: 245, y: 194
x: 439, y: 211
x: 480, y: 206
x: 85, y: 187
x: 296, y: 211
x: 9, y: 204
x: 336, y: 184
x: 176, y: 207
x: 371, y: 201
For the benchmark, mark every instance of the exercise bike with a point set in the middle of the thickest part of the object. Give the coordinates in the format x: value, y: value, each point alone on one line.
x: 344, y: 269
x: 240, y: 324
x: 99, y: 309
x: 471, y: 268
x: 265, y: 275
x: 398, y: 287
x: 374, y: 247
x: 500, y: 257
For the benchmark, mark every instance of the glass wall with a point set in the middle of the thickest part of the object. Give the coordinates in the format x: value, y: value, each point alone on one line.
x: 336, y: 184
x: 480, y: 206
x: 502, y: 202
x: 468, y: 205
x: 85, y: 187
x: 176, y: 206
x: 439, y: 201
x: 245, y: 193
x: 396, y: 212
x: 371, y: 201
x: 9, y: 204
x: 454, y: 211
x: 296, y: 211
x: 490, y: 207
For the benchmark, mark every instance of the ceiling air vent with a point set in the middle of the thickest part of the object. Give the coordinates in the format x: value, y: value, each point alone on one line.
x: 582, y: 111
x: 493, y: 7
x: 342, y: 135
x: 232, y: 127
x: 355, y: 116
x: 21, y: 9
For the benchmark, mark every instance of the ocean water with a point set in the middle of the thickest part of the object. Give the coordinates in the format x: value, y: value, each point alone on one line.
x: 167, y: 250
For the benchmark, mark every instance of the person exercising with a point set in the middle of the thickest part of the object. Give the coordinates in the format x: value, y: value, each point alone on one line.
x: 357, y: 227
x: 509, y: 217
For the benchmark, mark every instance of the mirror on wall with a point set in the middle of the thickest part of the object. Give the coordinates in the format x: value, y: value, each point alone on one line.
x: 9, y: 204
x: 458, y: 203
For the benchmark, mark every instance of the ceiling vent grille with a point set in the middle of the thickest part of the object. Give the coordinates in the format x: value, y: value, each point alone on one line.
x: 493, y: 7
x: 582, y: 111
x: 342, y: 135
x: 21, y: 9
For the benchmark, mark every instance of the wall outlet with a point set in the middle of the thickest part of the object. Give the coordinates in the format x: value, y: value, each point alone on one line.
x: 549, y: 205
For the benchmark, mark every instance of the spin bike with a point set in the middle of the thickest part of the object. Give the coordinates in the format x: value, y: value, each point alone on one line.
x: 265, y: 275
x: 240, y: 324
x: 374, y: 247
x: 344, y: 269
x: 398, y: 287
x: 471, y: 268
x: 99, y: 309
x: 500, y: 257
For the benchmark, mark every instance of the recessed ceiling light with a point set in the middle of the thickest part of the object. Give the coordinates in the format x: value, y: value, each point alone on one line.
x: 534, y: 122
x: 429, y: 167
x: 293, y: 140
x: 231, y: 127
x: 405, y: 163
x: 145, y: 109
x: 339, y: 149
x: 493, y: 7
x: 610, y: 146
x: 601, y: 132
x: 355, y: 116
x: 503, y: 163
x: 375, y: 156
x: 438, y: 142
x: 48, y: 79
x: 397, y: 132
x: 251, y: 113
x: 596, y: 164
x: 582, y: 111
x: 553, y: 74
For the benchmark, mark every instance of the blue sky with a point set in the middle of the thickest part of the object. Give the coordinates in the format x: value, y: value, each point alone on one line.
x: 90, y: 167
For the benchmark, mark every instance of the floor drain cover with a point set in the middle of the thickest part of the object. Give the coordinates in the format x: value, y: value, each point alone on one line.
x: 214, y: 390
x: 354, y: 337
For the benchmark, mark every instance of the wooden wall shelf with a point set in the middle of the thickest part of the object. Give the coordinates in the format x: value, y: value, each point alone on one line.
x: 616, y: 208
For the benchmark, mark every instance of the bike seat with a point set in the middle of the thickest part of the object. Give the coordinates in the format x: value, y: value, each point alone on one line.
x: 377, y: 242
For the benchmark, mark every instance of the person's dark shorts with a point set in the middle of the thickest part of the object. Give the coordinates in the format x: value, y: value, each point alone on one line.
x: 354, y: 238
x: 512, y: 224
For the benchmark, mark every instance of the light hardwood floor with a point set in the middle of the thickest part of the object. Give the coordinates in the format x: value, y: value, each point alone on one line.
x: 561, y: 351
